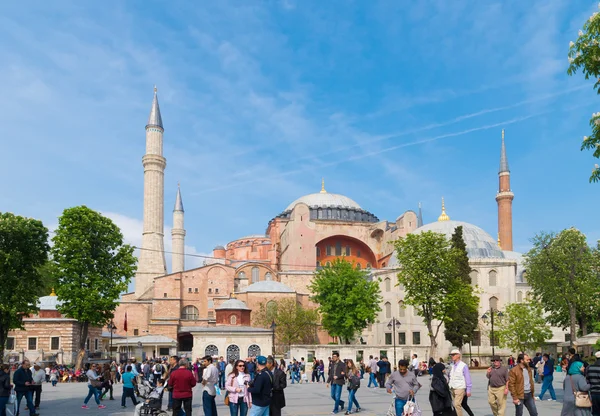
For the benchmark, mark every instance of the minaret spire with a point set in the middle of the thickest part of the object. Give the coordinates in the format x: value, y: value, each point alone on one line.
x: 178, y: 235
x: 443, y: 216
x: 420, y: 217
x: 504, y: 198
x: 323, y: 191
x: 152, y: 262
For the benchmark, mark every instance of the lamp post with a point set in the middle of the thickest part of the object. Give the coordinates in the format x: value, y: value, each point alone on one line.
x: 273, y: 326
x: 485, y: 318
x: 112, y: 328
x: 392, y: 326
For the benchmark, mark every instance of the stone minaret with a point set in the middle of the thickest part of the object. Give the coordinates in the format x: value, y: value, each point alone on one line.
x: 178, y: 236
x: 504, y: 199
x: 152, y: 256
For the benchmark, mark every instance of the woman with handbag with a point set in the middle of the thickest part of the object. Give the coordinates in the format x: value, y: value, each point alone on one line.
x: 576, y: 398
x: 238, y: 398
x: 439, y: 394
x: 94, y: 384
x: 353, y: 384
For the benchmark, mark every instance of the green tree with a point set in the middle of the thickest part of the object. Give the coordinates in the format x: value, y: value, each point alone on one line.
x: 584, y: 54
x: 461, y: 322
x: 348, y: 299
x: 23, y: 252
x: 431, y: 282
x: 93, y: 268
x: 523, y: 327
x: 560, y: 270
x: 295, y: 324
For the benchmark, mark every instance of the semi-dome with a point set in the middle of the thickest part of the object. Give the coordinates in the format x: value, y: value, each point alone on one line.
x: 233, y: 304
x: 271, y: 286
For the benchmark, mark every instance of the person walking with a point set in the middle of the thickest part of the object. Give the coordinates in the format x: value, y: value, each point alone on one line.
x: 236, y: 384
x: 210, y: 377
x: 221, y: 365
x: 548, y: 377
x: 593, y: 378
x: 372, y: 372
x: 260, y: 388
x: 5, y: 388
x: 93, y: 385
x: 497, y: 376
x: 39, y: 376
x: 23, y: 380
x: 181, y: 382
x: 574, y: 382
x: 440, y: 397
x: 404, y: 384
x: 521, y: 386
x: 54, y: 376
x: 415, y: 365
x: 336, y: 377
x: 107, y: 384
x: 279, y: 383
x: 460, y: 381
x: 128, y: 379
x: 353, y: 376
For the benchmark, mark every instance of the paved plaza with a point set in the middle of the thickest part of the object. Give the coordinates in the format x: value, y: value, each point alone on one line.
x: 302, y: 400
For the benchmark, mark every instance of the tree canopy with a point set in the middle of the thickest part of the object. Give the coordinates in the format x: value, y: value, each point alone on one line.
x: 523, y: 327
x: 93, y: 268
x: 295, y: 324
x: 23, y: 252
x: 561, y: 271
x: 584, y: 54
x: 348, y: 300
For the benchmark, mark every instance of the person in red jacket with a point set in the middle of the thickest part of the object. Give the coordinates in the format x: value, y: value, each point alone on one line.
x: 181, y: 382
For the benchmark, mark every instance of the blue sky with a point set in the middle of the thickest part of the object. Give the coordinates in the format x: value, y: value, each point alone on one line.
x: 393, y: 102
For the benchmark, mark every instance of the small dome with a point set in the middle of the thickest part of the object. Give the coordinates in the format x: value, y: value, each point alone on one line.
x: 324, y: 200
x: 234, y: 304
x: 48, y: 303
x: 271, y: 286
x: 219, y: 248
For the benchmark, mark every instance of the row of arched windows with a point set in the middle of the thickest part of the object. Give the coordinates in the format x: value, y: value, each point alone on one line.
x: 232, y: 352
x: 255, y: 274
x: 492, y: 278
x: 387, y: 308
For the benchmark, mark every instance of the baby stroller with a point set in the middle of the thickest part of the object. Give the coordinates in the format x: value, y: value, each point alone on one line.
x: 153, y: 398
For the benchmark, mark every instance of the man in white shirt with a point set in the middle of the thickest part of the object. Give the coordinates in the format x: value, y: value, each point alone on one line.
x: 229, y: 368
x: 210, y: 377
x: 39, y: 376
x: 415, y: 365
x: 373, y: 372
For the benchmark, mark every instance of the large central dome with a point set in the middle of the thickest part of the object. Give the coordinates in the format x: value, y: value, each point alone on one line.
x: 325, y: 200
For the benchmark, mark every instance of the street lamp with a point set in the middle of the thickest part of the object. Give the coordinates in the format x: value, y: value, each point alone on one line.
x: 112, y: 328
x: 273, y: 326
x: 392, y: 326
x: 485, y: 318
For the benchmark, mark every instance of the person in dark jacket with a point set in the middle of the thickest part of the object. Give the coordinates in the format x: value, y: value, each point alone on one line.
x: 439, y: 394
x: 336, y: 377
x: 279, y: 383
x: 5, y: 387
x: 23, y: 380
x: 260, y: 388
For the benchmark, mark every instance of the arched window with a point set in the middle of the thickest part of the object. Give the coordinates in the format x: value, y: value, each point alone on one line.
x: 190, y: 313
x: 241, y: 275
x: 318, y: 264
x: 358, y: 266
x: 519, y: 296
x: 494, y: 303
x: 388, y: 310
x: 328, y: 264
x: 253, y: 350
x: 211, y: 350
x: 217, y: 290
x: 388, y: 284
x: 233, y: 352
x: 209, y: 290
x: 268, y: 276
x: 233, y: 320
x: 474, y: 277
x: 368, y: 265
x: 255, y: 274
x: 401, y: 309
x: 493, y: 277
x: 318, y: 252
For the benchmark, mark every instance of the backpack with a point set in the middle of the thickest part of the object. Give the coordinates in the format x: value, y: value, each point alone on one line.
x: 354, y: 382
x: 159, y: 368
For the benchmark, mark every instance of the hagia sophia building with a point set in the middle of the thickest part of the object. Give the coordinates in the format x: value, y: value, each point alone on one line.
x: 207, y: 310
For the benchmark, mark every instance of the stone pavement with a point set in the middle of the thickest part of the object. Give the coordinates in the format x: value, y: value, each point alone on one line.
x: 302, y: 400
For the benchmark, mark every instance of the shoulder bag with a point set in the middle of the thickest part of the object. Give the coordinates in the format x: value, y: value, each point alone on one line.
x: 226, y: 399
x: 582, y: 398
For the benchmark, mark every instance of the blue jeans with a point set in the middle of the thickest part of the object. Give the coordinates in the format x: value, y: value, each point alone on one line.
x: 529, y: 403
x: 259, y: 411
x: 28, y: 398
x: 352, y: 399
x: 547, y: 385
x: 208, y: 404
x: 241, y: 405
x: 400, y: 406
x: 3, y: 403
x: 372, y: 380
x: 222, y: 380
x: 92, y: 391
x: 336, y: 394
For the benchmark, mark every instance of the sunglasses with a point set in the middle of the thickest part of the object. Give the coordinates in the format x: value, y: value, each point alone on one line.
x: 241, y: 366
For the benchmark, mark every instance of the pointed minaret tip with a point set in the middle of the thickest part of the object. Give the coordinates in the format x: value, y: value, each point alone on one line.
x: 443, y: 216
x: 155, y: 119
x: 178, y: 200
x: 503, y: 158
x: 323, y: 191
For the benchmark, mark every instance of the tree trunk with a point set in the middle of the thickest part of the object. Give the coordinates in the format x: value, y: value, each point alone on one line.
x: 432, y: 340
x: 573, y: 326
x: 83, y: 334
x: 3, y: 336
